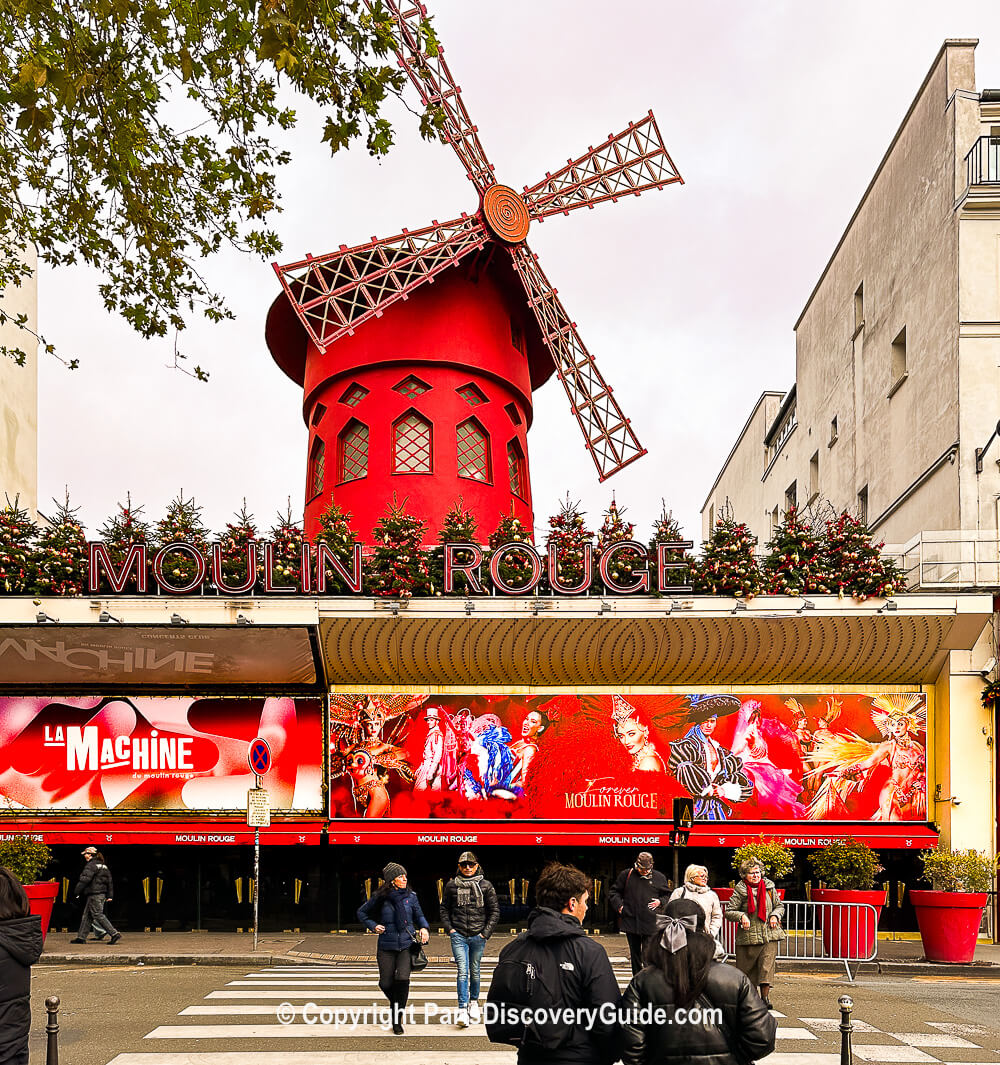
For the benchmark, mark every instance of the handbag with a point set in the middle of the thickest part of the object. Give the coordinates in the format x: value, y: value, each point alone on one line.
x: 418, y: 959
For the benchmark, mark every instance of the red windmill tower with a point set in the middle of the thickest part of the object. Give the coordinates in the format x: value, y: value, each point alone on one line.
x: 427, y: 392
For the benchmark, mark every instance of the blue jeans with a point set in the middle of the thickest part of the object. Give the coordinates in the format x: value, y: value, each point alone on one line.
x: 468, y: 952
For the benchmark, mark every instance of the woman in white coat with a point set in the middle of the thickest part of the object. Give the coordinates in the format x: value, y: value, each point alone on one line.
x: 695, y: 888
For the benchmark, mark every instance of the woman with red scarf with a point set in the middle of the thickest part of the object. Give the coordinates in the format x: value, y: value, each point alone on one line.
x: 754, y: 905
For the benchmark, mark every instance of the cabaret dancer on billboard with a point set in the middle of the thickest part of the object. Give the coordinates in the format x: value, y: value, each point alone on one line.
x: 775, y: 789
x: 438, y: 770
x: 809, y: 739
x: 709, y: 772
x: 489, y: 763
x: 525, y: 749
x: 369, y: 784
x: 851, y: 759
x: 632, y: 732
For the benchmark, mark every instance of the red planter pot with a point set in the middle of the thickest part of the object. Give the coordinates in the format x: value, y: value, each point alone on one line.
x: 949, y: 923
x: 42, y: 897
x: 849, y: 932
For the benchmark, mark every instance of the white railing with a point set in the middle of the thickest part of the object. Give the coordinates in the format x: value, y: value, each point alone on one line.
x: 845, y: 932
x: 949, y: 559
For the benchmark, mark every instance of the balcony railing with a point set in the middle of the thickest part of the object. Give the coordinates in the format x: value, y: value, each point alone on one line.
x: 950, y: 560
x: 983, y: 162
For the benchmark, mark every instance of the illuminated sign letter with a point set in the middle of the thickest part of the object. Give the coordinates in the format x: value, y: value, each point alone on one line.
x: 640, y: 581
x: 470, y: 569
x: 588, y: 571
x: 497, y: 559
x: 269, y: 585
x: 352, y: 577
x: 201, y: 568
x: 244, y: 585
x: 99, y: 557
x: 662, y: 565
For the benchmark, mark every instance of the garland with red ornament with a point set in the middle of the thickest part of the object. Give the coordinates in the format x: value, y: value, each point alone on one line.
x: 121, y: 531
x: 18, y: 533
x: 61, y: 554
x: 181, y: 524
x: 795, y: 563
x: 728, y: 565
x: 459, y: 527
x: 568, y: 534
x: 287, y: 537
x: 515, y: 567
x: 614, y: 530
x: 854, y: 563
x: 234, y: 550
x: 398, y: 568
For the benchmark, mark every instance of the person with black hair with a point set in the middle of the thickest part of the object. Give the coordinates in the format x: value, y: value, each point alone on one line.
x: 394, y: 913
x: 96, y: 888
x: 680, y: 974
x: 20, y: 948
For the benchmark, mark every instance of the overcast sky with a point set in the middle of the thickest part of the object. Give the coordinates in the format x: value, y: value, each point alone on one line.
x: 776, y: 115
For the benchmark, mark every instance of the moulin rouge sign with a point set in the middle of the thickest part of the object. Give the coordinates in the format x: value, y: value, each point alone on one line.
x: 318, y: 561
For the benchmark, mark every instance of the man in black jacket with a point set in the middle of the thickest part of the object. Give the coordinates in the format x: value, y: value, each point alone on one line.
x: 555, y: 942
x: 638, y: 895
x: 96, y: 888
x: 469, y: 913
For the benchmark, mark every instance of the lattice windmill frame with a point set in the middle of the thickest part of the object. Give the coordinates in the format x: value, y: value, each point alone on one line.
x: 335, y: 294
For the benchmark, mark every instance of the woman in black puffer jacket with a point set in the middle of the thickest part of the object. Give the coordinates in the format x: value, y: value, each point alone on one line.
x: 680, y: 975
x: 394, y: 912
x: 20, y: 948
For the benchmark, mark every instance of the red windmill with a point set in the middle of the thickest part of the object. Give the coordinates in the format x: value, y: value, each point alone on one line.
x: 432, y: 400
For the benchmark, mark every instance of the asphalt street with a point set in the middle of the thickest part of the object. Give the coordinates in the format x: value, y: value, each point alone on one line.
x: 214, y: 1015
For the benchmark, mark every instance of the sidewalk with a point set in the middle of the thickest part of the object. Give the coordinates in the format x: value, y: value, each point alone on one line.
x: 895, y: 958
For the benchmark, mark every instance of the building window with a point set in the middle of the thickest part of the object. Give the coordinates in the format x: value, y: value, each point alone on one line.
x: 791, y: 495
x: 354, y: 395
x: 472, y: 395
x: 898, y: 360
x: 859, y: 308
x: 513, y: 413
x: 411, y: 387
x: 473, y: 451
x: 354, y: 452
x: 863, y: 504
x: 711, y: 518
x: 515, y: 468
x: 517, y: 335
x: 775, y: 520
x: 834, y: 431
x: 317, y: 464
x: 318, y: 411
x: 411, y: 437
x: 814, y: 477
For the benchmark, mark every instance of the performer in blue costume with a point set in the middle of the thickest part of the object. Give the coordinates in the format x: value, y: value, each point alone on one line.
x: 709, y: 772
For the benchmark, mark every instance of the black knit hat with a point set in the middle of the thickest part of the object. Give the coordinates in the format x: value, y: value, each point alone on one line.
x: 391, y: 871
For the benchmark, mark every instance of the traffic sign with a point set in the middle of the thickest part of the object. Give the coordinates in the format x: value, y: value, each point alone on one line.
x: 259, y: 756
x: 258, y: 808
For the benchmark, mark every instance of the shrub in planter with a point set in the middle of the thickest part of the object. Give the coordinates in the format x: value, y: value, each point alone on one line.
x: 27, y: 859
x: 776, y: 859
x: 847, y: 869
x: 949, y: 916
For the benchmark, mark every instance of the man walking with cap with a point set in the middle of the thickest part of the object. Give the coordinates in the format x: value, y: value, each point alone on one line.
x: 638, y: 895
x: 469, y: 913
x: 96, y: 887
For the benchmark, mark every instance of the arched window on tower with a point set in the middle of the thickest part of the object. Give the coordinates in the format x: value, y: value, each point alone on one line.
x: 473, y: 446
x: 515, y: 468
x: 411, y: 444
x: 317, y: 466
x: 353, y: 457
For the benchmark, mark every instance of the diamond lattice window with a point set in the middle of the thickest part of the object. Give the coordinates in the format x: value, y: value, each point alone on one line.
x: 317, y: 465
x: 473, y: 451
x: 515, y: 468
x: 471, y: 395
x: 354, y: 452
x: 354, y: 395
x: 411, y: 387
x: 412, y: 440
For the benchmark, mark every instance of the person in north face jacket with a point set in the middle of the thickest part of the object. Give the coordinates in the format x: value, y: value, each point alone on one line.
x: 20, y: 948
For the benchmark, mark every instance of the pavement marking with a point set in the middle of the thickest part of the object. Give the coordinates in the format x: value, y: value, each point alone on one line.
x: 311, y: 1031
x: 330, y: 1057
x: 485, y: 984
x: 932, y: 1039
x: 793, y: 1033
x: 782, y: 1058
x: 373, y: 995
x: 962, y: 1029
x: 887, y: 1052
x: 828, y: 1024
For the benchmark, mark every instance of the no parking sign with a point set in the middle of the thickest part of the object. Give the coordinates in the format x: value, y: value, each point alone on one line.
x: 259, y: 756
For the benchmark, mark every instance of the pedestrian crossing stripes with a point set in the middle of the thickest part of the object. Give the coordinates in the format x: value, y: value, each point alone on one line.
x: 260, y: 1018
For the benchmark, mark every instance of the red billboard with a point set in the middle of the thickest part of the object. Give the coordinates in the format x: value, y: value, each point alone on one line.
x: 781, y: 758
x: 139, y: 754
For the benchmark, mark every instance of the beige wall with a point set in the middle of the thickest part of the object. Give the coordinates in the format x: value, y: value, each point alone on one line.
x: 19, y: 401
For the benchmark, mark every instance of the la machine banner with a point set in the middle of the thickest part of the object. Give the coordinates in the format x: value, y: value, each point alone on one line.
x: 136, y: 754
x: 595, y: 757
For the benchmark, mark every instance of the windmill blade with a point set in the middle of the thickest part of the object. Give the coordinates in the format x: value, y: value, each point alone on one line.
x: 334, y: 294
x: 437, y: 88
x: 632, y: 162
x: 610, y: 440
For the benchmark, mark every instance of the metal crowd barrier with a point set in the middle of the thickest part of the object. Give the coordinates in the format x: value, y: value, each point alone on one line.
x: 834, y: 931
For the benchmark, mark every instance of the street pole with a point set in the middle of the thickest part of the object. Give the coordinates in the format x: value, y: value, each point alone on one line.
x: 256, y: 877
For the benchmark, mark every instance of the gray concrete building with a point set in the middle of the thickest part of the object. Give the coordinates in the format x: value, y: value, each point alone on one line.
x: 19, y: 400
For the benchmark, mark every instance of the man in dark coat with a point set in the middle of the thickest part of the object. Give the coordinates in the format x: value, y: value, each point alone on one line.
x: 586, y: 982
x: 20, y: 948
x: 637, y: 896
x: 95, y: 887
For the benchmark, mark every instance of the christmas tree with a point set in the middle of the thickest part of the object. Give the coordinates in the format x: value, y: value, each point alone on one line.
x: 459, y: 527
x: 335, y: 531
x: 120, y: 532
x: 17, y: 541
x: 727, y: 565
x: 515, y: 568
x: 287, y: 539
x: 568, y: 533
x: 181, y: 524
x: 614, y: 529
x: 60, y: 557
x: 794, y: 563
x: 854, y: 564
x: 398, y: 568
x: 233, y: 547
x: 667, y: 530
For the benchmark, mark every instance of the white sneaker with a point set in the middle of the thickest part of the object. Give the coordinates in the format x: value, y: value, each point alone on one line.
x: 463, y: 1019
x: 475, y: 1013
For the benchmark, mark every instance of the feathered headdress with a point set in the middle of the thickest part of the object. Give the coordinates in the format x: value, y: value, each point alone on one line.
x: 909, y: 707
x: 621, y: 710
